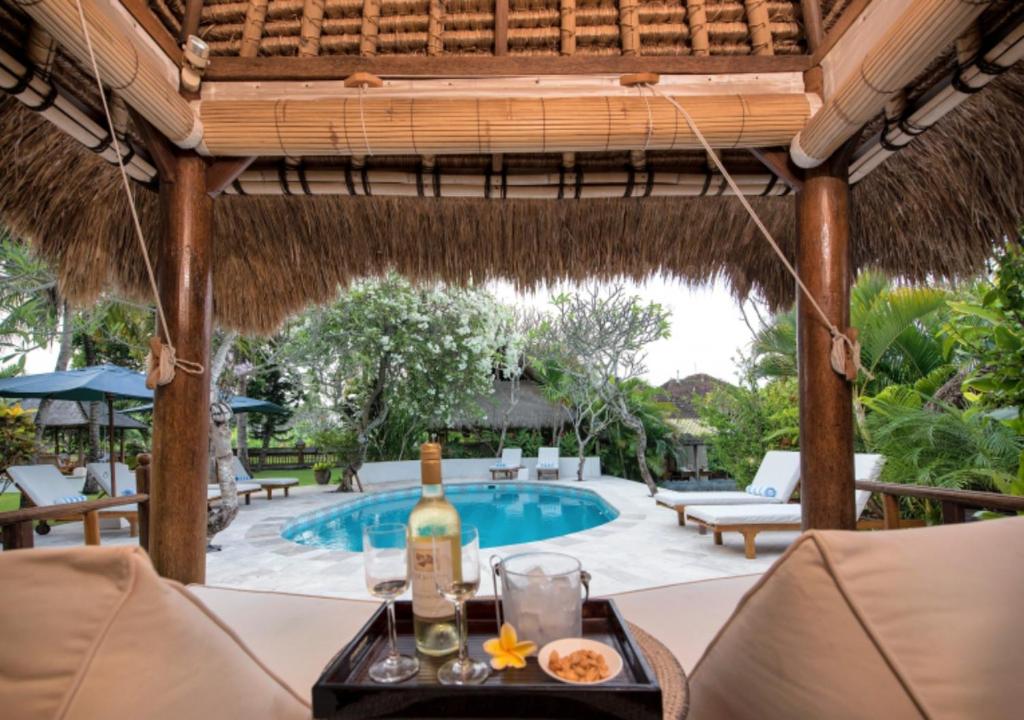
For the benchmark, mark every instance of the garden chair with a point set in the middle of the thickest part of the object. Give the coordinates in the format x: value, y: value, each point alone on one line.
x: 509, y: 465
x: 243, y: 477
x: 749, y: 520
x: 44, y: 486
x: 547, y: 463
x: 774, y: 483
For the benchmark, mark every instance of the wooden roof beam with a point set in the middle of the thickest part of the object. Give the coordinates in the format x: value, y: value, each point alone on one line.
x: 778, y: 161
x: 144, y: 16
x: 190, y: 23
x: 339, y: 67
x: 221, y: 173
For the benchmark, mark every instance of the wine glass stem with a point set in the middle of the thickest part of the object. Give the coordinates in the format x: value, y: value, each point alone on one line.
x: 460, y: 623
x: 392, y: 632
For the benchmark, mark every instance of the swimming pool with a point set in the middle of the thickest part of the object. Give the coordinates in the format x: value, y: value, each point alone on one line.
x: 504, y: 513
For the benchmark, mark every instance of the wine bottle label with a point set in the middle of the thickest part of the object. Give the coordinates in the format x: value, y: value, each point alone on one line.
x: 430, y: 564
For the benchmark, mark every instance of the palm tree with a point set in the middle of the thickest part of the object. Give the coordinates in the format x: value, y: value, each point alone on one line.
x: 900, y: 336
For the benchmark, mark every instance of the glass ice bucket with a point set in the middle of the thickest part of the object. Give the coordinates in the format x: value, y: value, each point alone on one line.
x: 540, y: 594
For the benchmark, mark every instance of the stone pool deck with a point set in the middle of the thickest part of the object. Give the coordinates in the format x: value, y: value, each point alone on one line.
x: 642, y: 548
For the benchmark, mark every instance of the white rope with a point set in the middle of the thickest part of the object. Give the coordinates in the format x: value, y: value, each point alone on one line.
x: 362, y: 121
x: 650, y: 117
x: 839, y: 338
x: 166, y: 355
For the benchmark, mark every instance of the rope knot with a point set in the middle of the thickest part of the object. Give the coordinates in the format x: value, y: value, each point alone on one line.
x: 162, y: 363
x: 845, y: 354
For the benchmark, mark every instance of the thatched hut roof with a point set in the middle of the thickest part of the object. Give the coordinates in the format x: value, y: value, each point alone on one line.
x: 683, y: 392
x: 932, y: 211
x: 532, y: 411
x: 74, y: 414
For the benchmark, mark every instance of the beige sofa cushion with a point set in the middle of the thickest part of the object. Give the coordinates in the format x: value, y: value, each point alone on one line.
x: 94, y: 632
x: 899, y: 624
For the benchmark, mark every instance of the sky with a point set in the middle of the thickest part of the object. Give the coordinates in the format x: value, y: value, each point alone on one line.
x: 707, y: 329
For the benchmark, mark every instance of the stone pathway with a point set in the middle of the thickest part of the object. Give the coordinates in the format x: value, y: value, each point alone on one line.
x: 642, y: 548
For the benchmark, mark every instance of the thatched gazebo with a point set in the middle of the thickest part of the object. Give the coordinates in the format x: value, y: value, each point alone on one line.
x: 58, y: 415
x: 531, y: 410
x: 298, y: 144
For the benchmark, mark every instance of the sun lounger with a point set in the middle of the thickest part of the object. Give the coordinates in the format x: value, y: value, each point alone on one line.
x: 749, y: 520
x: 245, y: 489
x: 269, y: 484
x: 547, y: 463
x: 509, y: 466
x: 44, y: 486
x: 774, y: 483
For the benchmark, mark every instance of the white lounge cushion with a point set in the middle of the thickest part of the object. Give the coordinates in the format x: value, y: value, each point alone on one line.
x: 213, y: 491
x: 784, y: 514
x: 511, y: 458
x: 275, y: 482
x: 44, y: 484
x: 777, y: 476
x: 719, y: 497
x: 547, y: 458
x: 125, y: 477
x: 243, y: 476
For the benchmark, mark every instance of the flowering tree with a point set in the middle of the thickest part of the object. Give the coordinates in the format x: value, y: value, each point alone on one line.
x: 386, y: 347
x: 599, y: 340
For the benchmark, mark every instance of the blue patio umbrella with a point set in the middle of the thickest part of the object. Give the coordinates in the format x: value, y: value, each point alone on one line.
x: 99, y: 382
x: 239, y: 404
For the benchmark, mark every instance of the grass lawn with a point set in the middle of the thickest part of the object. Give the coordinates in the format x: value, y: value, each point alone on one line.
x: 305, y: 476
x: 10, y: 500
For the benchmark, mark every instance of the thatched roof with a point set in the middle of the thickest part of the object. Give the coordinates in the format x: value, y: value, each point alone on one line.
x: 532, y: 411
x: 74, y: 414
x: 682, y: 392
x: 932, y: 211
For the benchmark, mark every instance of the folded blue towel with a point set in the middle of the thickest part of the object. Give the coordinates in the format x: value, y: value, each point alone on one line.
x: 127, y: 491
x: 68, y: 499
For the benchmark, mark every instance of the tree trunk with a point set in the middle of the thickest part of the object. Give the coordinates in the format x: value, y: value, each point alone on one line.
x: 63, y: 360
x: 242, y: 425
x: 513, y: 400
x: 581, y: 446
x: 636, y: 425
x: 222, y: 513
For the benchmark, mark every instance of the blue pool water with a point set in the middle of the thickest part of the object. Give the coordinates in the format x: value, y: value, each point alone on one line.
x: 505, y: 514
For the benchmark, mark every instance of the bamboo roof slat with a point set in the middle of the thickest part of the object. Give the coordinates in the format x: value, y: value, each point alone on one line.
x: 370, y: 27
x: 629, y: 21
x: 252, y: 29
x: 698, y: 20
x: 312, y: 23
x: 567, y: 27
x: 435, y: 28
x: 757, y: 24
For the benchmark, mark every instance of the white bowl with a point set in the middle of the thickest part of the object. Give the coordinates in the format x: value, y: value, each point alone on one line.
x: 567, y: 646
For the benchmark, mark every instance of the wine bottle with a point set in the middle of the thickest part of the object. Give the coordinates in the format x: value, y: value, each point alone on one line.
x: 434, y: 532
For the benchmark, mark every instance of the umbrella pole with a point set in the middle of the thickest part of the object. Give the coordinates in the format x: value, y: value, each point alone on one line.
x: 110, y: 440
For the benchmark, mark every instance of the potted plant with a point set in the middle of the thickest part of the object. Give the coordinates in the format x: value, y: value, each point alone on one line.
x: 322, y: 472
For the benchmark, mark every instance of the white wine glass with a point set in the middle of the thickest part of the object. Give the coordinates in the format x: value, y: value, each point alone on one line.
x: 457, y: 582
x: 386, y: 560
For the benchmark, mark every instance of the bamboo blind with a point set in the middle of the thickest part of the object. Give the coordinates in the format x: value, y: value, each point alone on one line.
x: 570, y: 183
x: 140, y: 72
x: 364, y: 125
x: 906, y: 48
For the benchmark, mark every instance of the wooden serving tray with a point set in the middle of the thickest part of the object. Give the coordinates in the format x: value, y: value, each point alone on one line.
x: 345, y: 692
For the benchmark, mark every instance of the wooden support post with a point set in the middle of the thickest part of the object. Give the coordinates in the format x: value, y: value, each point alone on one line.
x: 142, y: 487
x: 181, y: 415
x: 91, y: 527
x: 952, y: 513
x: 826, y: 411
x: 891, y: 511
x: 18, y: 536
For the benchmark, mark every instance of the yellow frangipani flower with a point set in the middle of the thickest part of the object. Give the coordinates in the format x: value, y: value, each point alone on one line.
x: 507, y: 651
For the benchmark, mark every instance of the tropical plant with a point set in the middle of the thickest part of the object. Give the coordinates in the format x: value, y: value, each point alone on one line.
x: 900, y: 335
x: 942, y: 446
x: 387, y: 349
x: 598, y: 340
x: 619, y: 443
x: 17, y: 435
x: 746, y: 421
